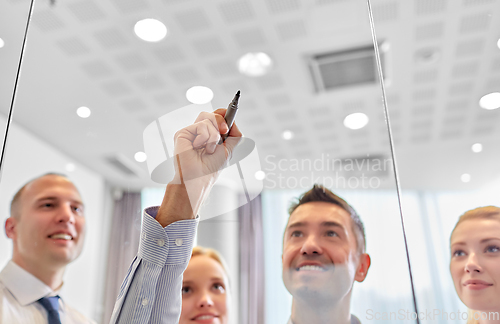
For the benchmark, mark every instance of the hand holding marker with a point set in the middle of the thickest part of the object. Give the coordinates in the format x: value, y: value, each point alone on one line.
x: 230, y: 115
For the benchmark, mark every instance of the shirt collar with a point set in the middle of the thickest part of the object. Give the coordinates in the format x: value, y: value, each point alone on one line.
x: 25, y: 287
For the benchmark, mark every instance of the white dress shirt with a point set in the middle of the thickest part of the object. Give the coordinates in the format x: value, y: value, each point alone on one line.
x: 151, y: 290
x: 19, y: 292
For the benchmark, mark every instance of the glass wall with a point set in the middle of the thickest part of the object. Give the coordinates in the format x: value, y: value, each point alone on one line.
x: 310, y: 101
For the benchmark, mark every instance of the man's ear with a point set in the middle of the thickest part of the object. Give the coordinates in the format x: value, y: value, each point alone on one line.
x: 364, y: 265
x: 10, y: 227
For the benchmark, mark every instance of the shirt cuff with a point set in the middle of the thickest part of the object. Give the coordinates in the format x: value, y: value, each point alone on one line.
x: 170, y: 245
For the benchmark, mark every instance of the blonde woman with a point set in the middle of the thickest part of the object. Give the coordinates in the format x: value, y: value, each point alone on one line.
x: 205, y: 284
x: 475, y: 263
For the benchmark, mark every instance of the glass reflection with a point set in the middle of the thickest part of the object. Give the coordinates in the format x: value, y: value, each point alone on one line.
x: 318, y: 70
x: 446, y: 141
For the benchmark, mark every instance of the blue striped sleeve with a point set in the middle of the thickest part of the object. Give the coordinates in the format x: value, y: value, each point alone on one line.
x: 151, y: 291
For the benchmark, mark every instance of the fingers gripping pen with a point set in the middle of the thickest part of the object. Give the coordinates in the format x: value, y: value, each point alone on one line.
x: 231, y: 111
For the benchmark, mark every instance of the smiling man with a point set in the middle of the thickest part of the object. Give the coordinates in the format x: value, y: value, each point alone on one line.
x: 47, y: 228
x: 323, y: 254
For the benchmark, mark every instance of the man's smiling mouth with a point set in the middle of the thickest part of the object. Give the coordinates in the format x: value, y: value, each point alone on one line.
x: 310, y: 268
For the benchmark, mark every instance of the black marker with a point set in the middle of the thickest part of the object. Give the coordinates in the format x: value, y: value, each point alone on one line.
x: 230, y: 115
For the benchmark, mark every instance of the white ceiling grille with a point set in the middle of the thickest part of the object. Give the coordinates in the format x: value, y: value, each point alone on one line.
x: 346, y: 68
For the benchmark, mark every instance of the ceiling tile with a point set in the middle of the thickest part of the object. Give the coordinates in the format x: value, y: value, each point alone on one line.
x: 185, y: 74
x: 116, y: 88
x: 236, y: 11
x: 279, y: 99
x: 165, y: 99
x: 47, y: 20
x: 86, y: 11
x: 426, y: 76
x: 482, y: 131
x: 133, y: 105
x: 269, y: 82
x: 280, y: 6
x: 459, y: 105
x: 249, y: 38
x: 421, y: 138
x: 387, y: 11
x: 468, y: 48
x: 97, y: 69
x: 230, y: 88
x: 209, y: 46
x: 475, y: 23
x: 170, y: 54
x: 130, y: 6
x: 327, y: 2
x: 319, y: 111
x: 465, y: 69
x: 150, y: 82
x: 193, y: 20
x: 73, y: 46
x: 291, y: 30
x: 131, y: 61
x: 420, y: 125
x: 110, y: 38
x: 425, y: 7
x: 422, y: 110
x: 324, y: 125
x: 452, y: 134
x: 495, y: 65
x: 477, y: 2
x: 454, y: 121
x: 424, y: 94
x: 429, y: 31
x: 461, y: 88
x: 223, y: 68
x: 286, y: 116
x: 353, y: 106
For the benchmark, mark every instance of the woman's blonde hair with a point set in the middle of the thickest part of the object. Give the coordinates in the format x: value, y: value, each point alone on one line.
x: 487, y: 212
x: 213, y: 254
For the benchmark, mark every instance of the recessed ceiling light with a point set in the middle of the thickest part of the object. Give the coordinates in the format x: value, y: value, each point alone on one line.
x: 199, y: 95
x: 356, y: 121
x: 498, y: 43
x: 70, y: 167
x: 260, y: 175
x: 476, y: 148
x: 83, y: 112
x: 465, y: 177
x: 255, y: 64
x: 288, y: 135
x: 140, y: 156
x: 2, y: 43
x: 150, y: 30
x: 490, y: 101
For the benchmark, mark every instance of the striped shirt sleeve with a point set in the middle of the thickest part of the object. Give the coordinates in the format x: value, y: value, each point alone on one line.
x: 151, y: 290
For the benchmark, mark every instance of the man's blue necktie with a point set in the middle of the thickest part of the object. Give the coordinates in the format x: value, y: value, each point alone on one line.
x: 51, y: 304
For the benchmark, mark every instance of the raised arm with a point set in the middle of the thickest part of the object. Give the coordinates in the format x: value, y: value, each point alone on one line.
x: 151, y: 291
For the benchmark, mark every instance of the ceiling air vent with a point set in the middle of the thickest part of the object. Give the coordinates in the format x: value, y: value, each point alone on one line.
x: 345, y: 68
